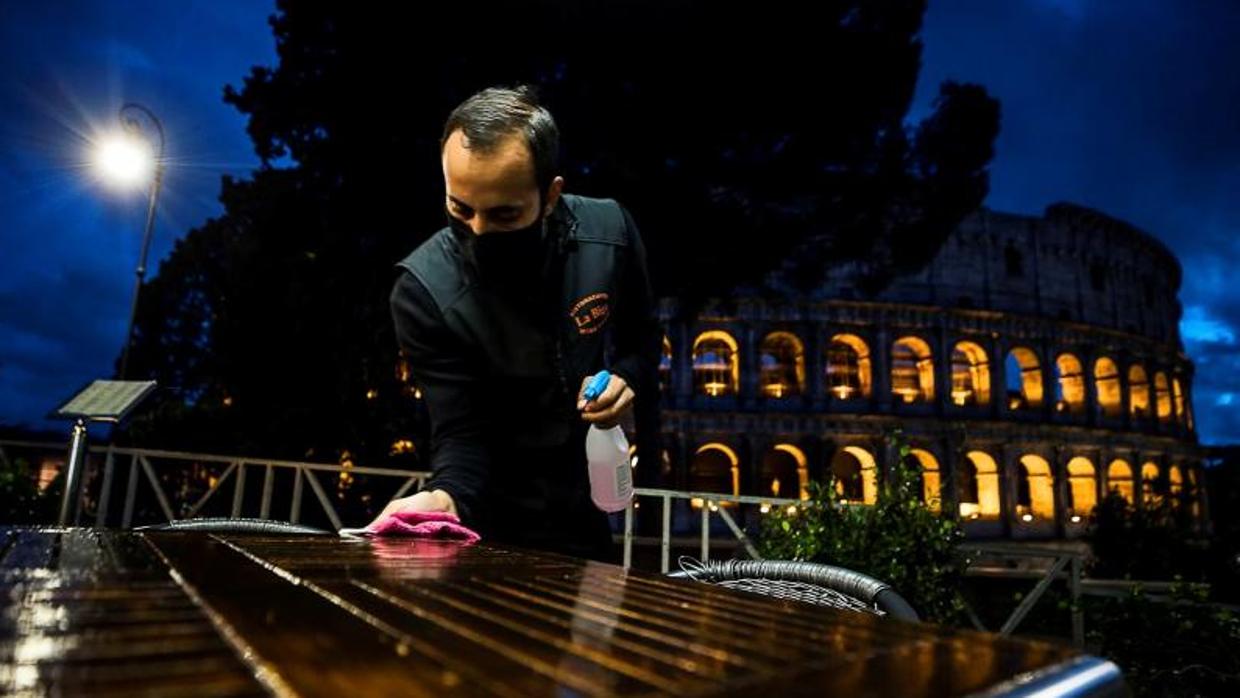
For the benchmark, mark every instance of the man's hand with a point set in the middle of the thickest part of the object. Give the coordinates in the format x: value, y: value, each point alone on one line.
x: 432, y: 500
x: 605, y: 410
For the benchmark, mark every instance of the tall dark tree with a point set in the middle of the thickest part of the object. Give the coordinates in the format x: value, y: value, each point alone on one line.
x: 745, y: 139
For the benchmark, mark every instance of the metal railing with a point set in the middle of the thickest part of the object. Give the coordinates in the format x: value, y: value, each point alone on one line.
x: 1058, y: 564
x: 711, y: 503
x: 1064, y: 564
x: 143, y: 464
x: 999, y: 560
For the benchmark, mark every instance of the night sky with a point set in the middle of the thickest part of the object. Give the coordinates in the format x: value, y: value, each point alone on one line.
x: 1130, y: 107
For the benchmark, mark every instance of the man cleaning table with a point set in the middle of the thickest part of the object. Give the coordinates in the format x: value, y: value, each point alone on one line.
x: 506, y: 315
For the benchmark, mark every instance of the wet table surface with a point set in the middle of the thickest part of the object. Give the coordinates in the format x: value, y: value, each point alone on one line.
x: 174, y: 613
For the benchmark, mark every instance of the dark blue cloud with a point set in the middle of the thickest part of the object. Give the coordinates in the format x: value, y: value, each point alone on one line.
x: 1129, y: 107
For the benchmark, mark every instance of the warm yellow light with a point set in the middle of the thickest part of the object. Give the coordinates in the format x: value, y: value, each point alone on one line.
x: 372, y: 394
x: 1026, y: 518
x: 791, y: 510
x: 764, y: 508
x: 124, y: 161
x: 346, y: 478
x: 227, y: 401
x: 969, y: 510
x: 401, y: 446
x: 843, y: 392
x: 908, y: 395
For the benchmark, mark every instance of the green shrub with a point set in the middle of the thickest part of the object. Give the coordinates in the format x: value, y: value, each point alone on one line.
x: 898, y: 540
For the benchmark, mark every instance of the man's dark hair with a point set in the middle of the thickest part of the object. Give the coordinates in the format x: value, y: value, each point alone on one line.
x: 496, y: 113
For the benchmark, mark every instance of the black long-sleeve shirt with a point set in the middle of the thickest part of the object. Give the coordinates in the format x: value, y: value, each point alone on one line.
x: 499, y: 371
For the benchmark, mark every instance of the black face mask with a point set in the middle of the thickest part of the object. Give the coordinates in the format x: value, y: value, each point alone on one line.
x: 505, y: 256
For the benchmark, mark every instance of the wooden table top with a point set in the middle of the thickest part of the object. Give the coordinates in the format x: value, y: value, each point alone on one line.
x: 178, y: 613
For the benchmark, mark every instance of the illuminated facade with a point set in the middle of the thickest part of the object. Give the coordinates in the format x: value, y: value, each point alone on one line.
x: 1034, y: 364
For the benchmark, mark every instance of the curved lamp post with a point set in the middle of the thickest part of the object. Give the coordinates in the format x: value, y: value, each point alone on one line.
x: 128, y: 160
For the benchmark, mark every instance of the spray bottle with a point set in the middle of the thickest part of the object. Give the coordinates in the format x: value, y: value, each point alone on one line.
x: 607, y: 452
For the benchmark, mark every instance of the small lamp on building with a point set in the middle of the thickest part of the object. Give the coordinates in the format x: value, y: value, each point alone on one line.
x: 905, y: 383
x: 962, y: 385
x: 713, y: 371
x: 773, y: 383
x: 843, y: 371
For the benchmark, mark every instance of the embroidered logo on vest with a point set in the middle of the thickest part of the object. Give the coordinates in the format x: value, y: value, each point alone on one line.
x: 590, y: 313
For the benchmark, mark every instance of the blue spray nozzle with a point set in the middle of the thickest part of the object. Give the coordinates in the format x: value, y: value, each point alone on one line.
x: 597, y: 385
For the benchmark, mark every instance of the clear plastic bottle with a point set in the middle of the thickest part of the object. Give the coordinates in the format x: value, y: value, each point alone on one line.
x: 607, y: 453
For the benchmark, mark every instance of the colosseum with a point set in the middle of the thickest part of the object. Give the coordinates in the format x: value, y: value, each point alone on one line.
x: 1034, y: 365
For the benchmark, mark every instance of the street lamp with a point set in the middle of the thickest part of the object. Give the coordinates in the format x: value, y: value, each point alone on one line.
x: 126, y: 159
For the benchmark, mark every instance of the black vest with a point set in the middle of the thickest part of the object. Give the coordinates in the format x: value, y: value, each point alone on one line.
x: 534, y: 344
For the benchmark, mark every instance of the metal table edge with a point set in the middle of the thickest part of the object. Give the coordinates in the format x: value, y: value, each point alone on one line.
x: 1085, y: 675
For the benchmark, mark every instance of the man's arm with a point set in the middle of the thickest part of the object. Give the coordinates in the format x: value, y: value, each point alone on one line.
x: 452, y: 390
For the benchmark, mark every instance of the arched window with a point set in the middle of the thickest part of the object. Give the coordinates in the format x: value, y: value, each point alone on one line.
x: 1106, y: 385
x: 912, y: 370
x: 1151, y: 488
x: 1070, y: 385
x: 848, y: 367
x: 1162, y: 397
x: 782, y: 359
x: 1119, y: 480
x: 979, y: 487
x: 1082, y: 488
x: 1177, y: 400
x: 855, y: 473
x: 970, y: 375
x: 784, y: 473
x: 931, y: 479
x: 1035, y: 489
x: 1138, y: 392
x: 1175, y: 485
x: 1024, y: 379
x: 715, y: 468
x: 716, y: 367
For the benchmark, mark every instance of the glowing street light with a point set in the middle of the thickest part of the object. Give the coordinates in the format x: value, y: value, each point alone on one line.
x: 124, y: 161
x: 128, y: 160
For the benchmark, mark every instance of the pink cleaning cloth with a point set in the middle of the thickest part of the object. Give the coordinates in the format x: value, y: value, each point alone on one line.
x: 439, y: 525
